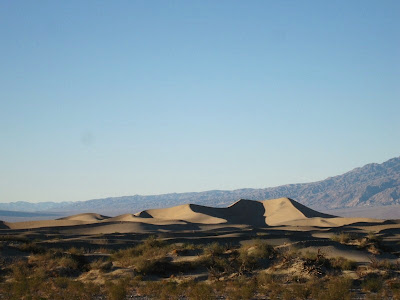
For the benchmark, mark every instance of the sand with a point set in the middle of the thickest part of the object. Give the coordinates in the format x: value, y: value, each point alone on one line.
x: 275, y: 212
x: 281, y: 222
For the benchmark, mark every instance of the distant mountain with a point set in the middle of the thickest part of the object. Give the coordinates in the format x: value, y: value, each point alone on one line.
x: 31, y: 207
x: 371, y: 185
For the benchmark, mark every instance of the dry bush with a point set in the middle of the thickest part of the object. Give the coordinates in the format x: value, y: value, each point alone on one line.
x: 76, y: 251
x: 117, y: 290
x: 343, y: 238
x: 214, y: 249
x: 31, y: 247
x: 343, y: 263
x: 13, y: 238
x: 241, y: 289
x: 200, y: 291
x: 336, y: 289
x: 372, y: 283
x: 101, y: 264
x: 150, y: 249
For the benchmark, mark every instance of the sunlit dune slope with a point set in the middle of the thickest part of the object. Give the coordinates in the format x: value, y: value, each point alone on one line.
x: 86, y: 217
x: 256, y: 213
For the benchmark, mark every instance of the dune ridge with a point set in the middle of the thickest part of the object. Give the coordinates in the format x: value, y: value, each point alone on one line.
x: 85, y: 217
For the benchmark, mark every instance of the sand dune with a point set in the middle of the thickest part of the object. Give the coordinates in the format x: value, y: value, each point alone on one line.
x: 41, y: 224
x: 188, y: 212
x: 327, y: 222
x: 255, y: 213
x: 275, y: 212
x: 86, y: 217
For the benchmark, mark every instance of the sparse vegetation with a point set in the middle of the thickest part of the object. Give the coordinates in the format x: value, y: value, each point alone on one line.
x: 250, y: 271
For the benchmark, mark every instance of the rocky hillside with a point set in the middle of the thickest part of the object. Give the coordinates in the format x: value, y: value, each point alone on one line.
x: 371, y: 185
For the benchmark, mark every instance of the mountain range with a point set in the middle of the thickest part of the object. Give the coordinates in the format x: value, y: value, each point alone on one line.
x: 369, y: 186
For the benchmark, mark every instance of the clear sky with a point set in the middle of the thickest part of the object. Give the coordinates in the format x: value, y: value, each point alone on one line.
x: 113, y: 98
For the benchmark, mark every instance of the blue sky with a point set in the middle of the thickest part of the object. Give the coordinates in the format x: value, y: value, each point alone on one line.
x: 112, y: 98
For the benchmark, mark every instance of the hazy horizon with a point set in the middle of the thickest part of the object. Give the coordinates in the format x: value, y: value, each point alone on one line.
x: 106, y: 99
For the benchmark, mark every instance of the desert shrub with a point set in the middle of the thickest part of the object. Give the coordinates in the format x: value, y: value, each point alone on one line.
x: 372, y: 283
x: 170, y: 290
x: 68, y: 263
x: 102, y: 250
x: 148, y: 252
x: 241, y: 289
x: 55, y: 263
x: 383, y: 264
x: 371, y: 236
x: 101, y: 264
x: 249, y: 255
x: 343, y: 263
x: 343, y: 238
x: 220, y: 267
x: 395, y: 289
x: 76, y: 251
x: 214, y: 249
x: 117, y: 290
x: 189, y: 246
x: 31, y: 248
x: 160, y: 289
x: 158, y: 265
x: 300, y: 291
x: 372, y: 243
x: 67, y: 289
x: 200, y: 291
x: 270, y: 285
x: 335, y: 289
x: 287, y: 254
x: 13, y: 238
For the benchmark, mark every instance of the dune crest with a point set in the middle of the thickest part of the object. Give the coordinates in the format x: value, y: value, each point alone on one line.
x: 243, y: 211
x: 282, y: 210
x: 187, y: 212
x: 85, y: 217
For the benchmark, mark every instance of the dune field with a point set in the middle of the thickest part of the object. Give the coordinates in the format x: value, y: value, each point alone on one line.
x: 279, y: 221
x: 289, y: 240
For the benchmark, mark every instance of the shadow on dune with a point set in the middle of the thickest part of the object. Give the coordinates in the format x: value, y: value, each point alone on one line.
x: 308, y: 212
x: 247, y: 212
x: 3, y: 225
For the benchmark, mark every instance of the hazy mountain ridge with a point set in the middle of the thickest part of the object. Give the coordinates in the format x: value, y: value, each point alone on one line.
x: 371, y: 185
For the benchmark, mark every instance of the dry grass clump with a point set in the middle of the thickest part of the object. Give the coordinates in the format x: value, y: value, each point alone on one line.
x: 338, y: 288
x: 200, y: 291
x: 101, y: 264
x: 117, y: 290
x: 241, y: 288
x: 343, y: 238
x: 31, y: 247
x: 28, y: 281
x: 370, y: 242
x: 150, y: 257
x: 384, y: 264
x: 343, y: 264
x: 372, y: 283
x: 255, y: 270
x: 214, y: 249
x: 13, y: 238
x: 57, y: 263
